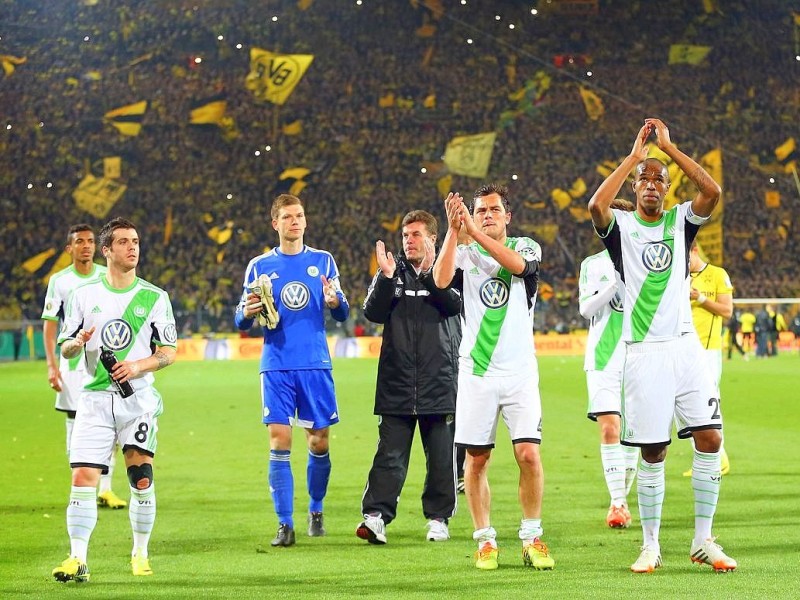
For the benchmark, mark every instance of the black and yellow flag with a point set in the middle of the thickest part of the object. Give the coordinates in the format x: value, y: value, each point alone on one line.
x: 592, y: 103
x: 209, y: 110
x: 46, y: 263
x: 272, y: 76
x: 787, y: 155
x: 470, y: 155
x: 293, y: 128
x: 98, y: 196
x: 128, y: 119
x: 291, y: 180
x: 687, y: 54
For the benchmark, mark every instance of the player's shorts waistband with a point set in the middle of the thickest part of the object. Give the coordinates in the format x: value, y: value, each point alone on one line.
x: 657, y: 346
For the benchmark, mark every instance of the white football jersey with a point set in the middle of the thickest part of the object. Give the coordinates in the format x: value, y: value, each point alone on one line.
x: 126, y: 321
x: 601, y: 293
x: 60, y: 286
x: 497, y: 335
x: 653, y: 261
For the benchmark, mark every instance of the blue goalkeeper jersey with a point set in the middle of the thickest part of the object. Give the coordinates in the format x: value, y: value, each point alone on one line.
x: 299, y: 341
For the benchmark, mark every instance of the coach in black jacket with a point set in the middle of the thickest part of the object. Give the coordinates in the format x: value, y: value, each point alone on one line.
x: 416, y: 384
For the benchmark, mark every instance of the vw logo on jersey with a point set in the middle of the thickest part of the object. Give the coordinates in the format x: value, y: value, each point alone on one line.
x: 657, y: 257
x: 116, y: 334
x: 170, y: 334
x: 494, y: 293
x: 295, y: 295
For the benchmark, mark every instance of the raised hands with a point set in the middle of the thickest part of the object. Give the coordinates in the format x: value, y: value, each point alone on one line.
x: 662, y: 133
x: 454, y: 208
x: 430, y: 255
x: 386, y: 261
x: 640, y: 148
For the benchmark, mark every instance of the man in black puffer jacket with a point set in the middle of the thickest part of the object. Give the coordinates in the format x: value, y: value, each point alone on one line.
x: 416, y: 384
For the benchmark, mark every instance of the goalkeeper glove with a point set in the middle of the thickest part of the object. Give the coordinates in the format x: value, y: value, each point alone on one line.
x: 268, y: 316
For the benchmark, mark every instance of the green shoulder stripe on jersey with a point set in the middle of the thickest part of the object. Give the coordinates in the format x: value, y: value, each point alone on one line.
x: 653, y: 287
x: 140, y: 306
x: 491, y: 324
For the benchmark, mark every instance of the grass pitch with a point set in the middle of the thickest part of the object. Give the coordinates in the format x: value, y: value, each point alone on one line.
x: 215, y: 517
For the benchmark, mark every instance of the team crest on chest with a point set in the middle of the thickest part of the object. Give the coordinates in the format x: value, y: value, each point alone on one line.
x: 116, y: 334
x: 312, y: 271
x: 494, y: 293
x: 295, y: 295
x: 657, y: 257
x: 140, y: 311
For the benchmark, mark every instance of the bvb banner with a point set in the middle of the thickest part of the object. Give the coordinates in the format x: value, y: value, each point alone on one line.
x: 272, y: 76
x: 470, y: 155
x: 98, y: 196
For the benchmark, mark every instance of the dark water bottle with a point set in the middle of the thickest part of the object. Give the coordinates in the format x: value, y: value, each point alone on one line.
x: 109, y: 359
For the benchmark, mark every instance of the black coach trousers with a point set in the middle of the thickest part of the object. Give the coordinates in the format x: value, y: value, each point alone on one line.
x: 390, y: 466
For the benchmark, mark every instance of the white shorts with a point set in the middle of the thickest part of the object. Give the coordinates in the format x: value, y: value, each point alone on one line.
x: 666, y: 380
x: 605, y: 393
x: 71, y: 387
x: 714, y: 365
x: 482, y: 399
x: 106, y: 418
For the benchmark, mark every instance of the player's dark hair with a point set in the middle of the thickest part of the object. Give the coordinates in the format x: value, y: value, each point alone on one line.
x: 77, y: 229
x: 281, y: 201
x: 491, y: 188
x: 107, y: 232
x: 424, y: 217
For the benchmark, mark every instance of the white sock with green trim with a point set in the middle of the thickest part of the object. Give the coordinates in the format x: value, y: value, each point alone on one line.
x: 142, y: 513
x: 81, y: 519
x: 650, y: 487
x: 613, y: 459
x: 631, y: 465
x: 706, y: 479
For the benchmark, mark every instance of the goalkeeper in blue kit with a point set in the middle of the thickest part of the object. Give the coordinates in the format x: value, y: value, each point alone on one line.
x: 289, y: 289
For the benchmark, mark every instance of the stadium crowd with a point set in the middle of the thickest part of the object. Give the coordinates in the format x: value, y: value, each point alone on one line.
x: 365, y: 159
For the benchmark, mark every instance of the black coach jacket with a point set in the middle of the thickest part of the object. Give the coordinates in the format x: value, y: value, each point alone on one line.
x: 418, y: 366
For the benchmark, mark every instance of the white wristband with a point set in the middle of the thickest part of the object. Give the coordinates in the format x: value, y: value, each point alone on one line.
x: 701, y: 299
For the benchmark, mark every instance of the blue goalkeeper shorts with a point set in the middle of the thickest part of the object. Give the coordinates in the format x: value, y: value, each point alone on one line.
x: 303, y: 398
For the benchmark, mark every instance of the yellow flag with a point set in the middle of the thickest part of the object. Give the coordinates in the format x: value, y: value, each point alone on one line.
x: 112, y: 167
x: 430, y: 101
x: 687, y: 54
x: 128, y: 119
x: 710, y: 236
x: 561, y: 198
x: 208, y: 111
x: 293, y: 128
x: 34, y: 263
x: 580, y: 213
x: 62, y: 262
x: 772, y: 199
x: 386, y: 101
x: 592, y: 103
x: 304, y: 4
x: 10, y: 63
x: 297, y: 187
x: 783, y: 151
x: 547, y: 232
x: 393, y: 225
x: 578, y: 188
x: 444, y: 185
x: 272, y: 76
x: 294, y: 173
x: 168, y: 224
x: 470, y: 155
x: 98, y: 196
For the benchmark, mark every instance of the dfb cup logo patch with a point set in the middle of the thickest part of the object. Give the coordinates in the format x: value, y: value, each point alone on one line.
x: 657, y: 257
x: 116, y: 334
x: 494, y: 293
x: 295, y: 296
x: 616, y: 302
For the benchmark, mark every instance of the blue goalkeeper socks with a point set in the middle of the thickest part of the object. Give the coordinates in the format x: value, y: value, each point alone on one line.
x: 281, y: 485
x: 317, y: 475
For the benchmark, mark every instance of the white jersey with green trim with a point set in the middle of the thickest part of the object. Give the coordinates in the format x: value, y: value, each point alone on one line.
x: 601, y: 292
x: 127, y: 321
x: 497, y: 336
x: 60, y: 286
x: 653, y: 261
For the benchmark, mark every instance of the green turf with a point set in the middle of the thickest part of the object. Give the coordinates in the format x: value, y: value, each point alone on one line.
x: 215, y: 518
